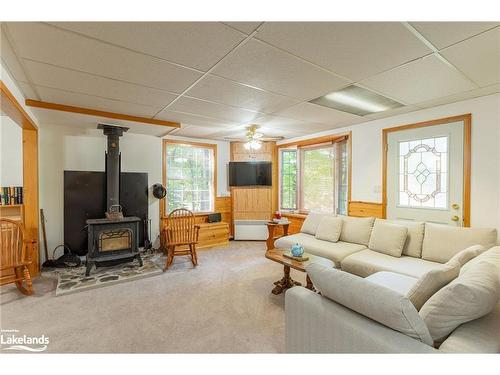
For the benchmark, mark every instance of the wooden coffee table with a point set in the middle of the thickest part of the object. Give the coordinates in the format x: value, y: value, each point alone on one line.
x: 287, y: 282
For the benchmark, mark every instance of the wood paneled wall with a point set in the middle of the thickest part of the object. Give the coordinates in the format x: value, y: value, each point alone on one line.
x: 255, y: 203
x: 365, y: 209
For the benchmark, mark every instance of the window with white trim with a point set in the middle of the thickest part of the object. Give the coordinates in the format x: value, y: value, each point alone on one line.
x: 314, y: 178
x: 190, y: 171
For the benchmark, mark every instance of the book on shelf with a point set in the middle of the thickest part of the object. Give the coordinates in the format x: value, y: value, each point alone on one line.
x: 11, y: 195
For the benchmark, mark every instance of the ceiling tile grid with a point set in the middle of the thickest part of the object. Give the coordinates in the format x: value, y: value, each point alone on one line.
x: 231, y: 74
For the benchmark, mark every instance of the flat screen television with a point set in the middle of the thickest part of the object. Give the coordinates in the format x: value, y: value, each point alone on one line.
x: 250, y: 173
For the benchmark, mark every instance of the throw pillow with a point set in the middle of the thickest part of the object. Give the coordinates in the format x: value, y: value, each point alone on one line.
x: 376, y: 302
x: 470, y: 296
x: 356, y: 229
x: 388, y: 238
x: 465, y: 255
x: 310, y: 224
x: 430, y: 283
x: 329, y: 229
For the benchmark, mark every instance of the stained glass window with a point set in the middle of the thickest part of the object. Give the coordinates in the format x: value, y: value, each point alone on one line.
x: 423, y: 173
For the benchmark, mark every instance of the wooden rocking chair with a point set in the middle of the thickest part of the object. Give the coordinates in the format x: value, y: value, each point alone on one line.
x: 181, y: 231
x: 16, y: 253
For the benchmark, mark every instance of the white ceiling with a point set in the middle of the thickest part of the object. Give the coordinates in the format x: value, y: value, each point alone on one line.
x: 216, y: 77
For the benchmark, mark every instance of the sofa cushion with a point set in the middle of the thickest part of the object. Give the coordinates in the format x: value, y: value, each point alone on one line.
x: 478, y: 336
x: 442, y: 242
x: 329, y: 229
x: 356, y: 229
x: 366, y: 262
x: 431, y: 282
x: 388, y: 238
x: 310, y: 224
x: 335, y: 251
x: 462, y: 257
x: 413, y: 244
x: 395, y: 281
x: 492, y: 255
x: 376, y: 302
x: 470, y: 296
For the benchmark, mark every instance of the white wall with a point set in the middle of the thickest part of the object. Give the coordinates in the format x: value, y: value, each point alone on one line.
x: 11, y: 153
x: 485, y: 184
x: 66, y: 148
x: 223, y: 156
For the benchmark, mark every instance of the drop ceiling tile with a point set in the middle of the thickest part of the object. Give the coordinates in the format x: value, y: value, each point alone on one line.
x: 94, y: 102
x: 392, y: 112
x: 285, y: 123
x: 215, y: 110
x: 244, y: 27
x: 84, y: 83
x: 28, y: 91
x: 44, y: 43
x: 478, y: 57
x: 443, y: 34
x: 10, y: 59
x: 228, y: 92
x: 271, y: 69
x: 483, y: 91
x: 192, y: 119
x: 355, y: 50
x: 195, y: 131
x: 424, y: 79
x: 89, y: 123
x: 316, y: 113
x: 195, y: 44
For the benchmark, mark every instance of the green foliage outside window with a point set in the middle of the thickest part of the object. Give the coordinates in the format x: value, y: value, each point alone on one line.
x: 189, y: 178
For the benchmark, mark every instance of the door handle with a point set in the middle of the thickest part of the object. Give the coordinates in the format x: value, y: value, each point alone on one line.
x: 455, y: 206
x: 455, y: 218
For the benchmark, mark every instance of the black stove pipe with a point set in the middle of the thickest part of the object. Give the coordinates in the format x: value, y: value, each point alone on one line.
x: 113, y: 133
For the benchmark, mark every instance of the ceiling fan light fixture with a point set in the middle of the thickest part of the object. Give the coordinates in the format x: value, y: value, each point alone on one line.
x: 253, y: 145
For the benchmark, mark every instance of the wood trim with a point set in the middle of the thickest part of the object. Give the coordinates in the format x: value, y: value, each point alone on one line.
x: 99, y: 113
x: 163, y: 201
x: 13, y: 109
x: 30, y: 192
x: 349, y: 169
x: 467, y: 168
x: 317, y: 140
x: 365, y: 209
x: 467, y: 120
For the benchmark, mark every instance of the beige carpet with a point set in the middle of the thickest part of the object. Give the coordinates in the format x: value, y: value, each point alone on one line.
x: 224, y: 305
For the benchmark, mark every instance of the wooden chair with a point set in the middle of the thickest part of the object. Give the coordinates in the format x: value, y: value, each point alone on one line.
x: 16, y: 253
x: 181, y: 231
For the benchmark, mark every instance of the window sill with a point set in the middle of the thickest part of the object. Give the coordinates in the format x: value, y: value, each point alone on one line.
x: 290, y: 214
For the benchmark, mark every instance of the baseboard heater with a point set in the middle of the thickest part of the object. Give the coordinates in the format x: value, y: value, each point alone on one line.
x: 255, y: 230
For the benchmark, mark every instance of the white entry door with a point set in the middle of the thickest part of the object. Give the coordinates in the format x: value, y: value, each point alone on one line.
x: 425, y: 174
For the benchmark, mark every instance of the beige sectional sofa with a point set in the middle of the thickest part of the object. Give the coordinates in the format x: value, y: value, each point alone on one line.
x: 391, y: 287
x: 426, y: 246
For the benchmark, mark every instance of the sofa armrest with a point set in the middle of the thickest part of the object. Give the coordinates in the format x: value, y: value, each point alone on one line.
x: 315, y: 324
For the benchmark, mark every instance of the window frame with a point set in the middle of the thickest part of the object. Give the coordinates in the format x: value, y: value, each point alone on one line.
x: 312, y: 144
x: 212, y: 147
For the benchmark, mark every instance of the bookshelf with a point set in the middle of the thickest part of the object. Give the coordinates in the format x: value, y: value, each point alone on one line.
x: 13, y: 212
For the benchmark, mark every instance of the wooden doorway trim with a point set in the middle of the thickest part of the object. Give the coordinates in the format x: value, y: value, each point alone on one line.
x: 467, y: 120
x: 13, y: 109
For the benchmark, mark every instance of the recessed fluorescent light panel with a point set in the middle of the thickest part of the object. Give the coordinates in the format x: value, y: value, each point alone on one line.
x: 356, y: 100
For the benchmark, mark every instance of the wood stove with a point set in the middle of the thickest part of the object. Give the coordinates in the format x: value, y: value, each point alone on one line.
x: 114, y: 238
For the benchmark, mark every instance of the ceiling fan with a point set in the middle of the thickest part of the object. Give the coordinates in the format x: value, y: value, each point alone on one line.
x: 254, y: 138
